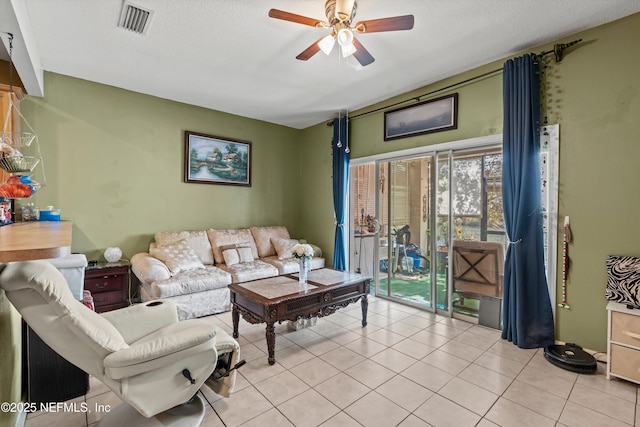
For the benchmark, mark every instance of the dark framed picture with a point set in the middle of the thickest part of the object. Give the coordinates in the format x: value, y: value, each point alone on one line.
x: 430, y: 116
x: 212, y: 159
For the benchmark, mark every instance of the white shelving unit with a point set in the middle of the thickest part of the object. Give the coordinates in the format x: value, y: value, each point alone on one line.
x: 623, y: 342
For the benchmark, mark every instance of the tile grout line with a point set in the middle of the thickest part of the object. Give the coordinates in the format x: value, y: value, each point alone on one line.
x: 492, y: 351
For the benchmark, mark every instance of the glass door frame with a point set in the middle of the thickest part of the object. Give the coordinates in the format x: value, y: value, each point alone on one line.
x: 448, y: 265
x: 433, y: 151
x: 430, y: 221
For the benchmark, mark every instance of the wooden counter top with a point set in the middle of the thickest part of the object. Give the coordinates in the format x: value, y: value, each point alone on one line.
x: 25, y: 241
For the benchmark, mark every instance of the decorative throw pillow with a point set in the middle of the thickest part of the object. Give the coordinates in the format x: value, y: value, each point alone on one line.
x: 237, y: 254
x: 284, y: 247
x: 197, y: 240
x: 178, y: 257
x: 220, y: 238
x: 168, y: 238
x: 263, y: 235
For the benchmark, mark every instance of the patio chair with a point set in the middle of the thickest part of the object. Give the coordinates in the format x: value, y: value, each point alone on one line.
x: 477, y: 270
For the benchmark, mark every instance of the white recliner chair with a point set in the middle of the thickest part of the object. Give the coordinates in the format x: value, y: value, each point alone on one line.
x: 153, y: 362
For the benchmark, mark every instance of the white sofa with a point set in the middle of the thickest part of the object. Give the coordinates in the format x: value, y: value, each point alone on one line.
x: 193, y: 268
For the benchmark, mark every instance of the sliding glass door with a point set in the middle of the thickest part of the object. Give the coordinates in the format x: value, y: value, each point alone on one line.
x: 478, y: 232
x: 429, y: 228
x: 404, y: 206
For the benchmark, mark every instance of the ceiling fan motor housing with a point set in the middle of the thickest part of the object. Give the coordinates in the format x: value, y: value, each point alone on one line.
x: 340, y: 11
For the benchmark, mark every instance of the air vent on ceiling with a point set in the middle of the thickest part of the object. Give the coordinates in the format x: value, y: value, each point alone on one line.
x: 134, y: 18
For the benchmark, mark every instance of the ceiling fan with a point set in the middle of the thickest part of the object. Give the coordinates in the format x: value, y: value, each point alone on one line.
x: 340, y: 15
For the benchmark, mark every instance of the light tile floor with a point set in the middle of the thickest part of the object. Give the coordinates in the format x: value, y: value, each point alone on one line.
x: 407, y: 368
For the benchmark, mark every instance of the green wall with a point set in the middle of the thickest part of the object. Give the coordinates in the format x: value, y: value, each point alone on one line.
x: 114, y: 165
x: 594, y: 95
x: 316, y: 215
x: 113, y: 162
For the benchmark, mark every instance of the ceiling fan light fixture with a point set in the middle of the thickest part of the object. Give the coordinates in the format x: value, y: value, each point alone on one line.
x: 345, y: 37
x: 345, y: 40
x: 326, y: 44
x: 340, y: 15
x: 347, y: 50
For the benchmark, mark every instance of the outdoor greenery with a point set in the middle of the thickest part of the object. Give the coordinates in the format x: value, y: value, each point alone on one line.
x: 418, y: 290
x: 471, y: 176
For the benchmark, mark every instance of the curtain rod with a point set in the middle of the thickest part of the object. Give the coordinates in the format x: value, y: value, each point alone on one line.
x: 557, y: 51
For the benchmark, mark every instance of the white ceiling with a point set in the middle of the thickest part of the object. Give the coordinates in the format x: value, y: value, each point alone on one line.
x: 228, y: 55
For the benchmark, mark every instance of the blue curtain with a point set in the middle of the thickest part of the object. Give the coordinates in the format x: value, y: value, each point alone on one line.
x: 527, y: 315
x: 340, y: 150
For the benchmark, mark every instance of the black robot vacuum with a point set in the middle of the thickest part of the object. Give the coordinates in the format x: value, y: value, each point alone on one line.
x: 571, y: 357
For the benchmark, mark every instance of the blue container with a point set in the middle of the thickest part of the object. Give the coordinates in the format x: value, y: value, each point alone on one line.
x: 416, y: 260
x: 50, y: 215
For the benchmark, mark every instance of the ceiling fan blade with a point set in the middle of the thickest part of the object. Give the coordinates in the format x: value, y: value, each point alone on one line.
x: 361, y: 54
x: 292, y: 17
x: 310, y: 51
x: 395, y: 23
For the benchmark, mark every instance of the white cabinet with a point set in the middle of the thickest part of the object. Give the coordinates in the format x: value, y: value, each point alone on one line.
x: 623, y: 342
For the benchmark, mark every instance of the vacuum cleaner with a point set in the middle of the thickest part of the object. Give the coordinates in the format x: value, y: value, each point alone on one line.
x: 571, y: 357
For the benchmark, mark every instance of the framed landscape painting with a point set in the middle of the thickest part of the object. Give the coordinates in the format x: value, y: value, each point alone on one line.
x: 430, y: 116
x: 215, y: 160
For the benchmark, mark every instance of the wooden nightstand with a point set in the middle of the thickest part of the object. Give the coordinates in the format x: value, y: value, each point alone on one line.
x: 108, y: 284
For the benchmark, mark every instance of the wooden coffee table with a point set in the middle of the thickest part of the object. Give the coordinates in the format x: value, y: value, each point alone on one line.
x: 281, y: 298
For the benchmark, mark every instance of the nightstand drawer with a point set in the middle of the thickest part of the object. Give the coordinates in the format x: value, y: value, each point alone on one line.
x: 625, y: 362
x: 104, y: 283
x: 109, y: 285
x: 625, y: 329
x: 107, y: 298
